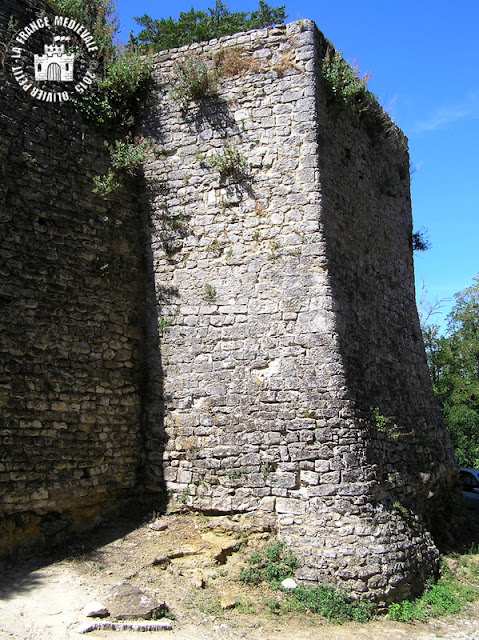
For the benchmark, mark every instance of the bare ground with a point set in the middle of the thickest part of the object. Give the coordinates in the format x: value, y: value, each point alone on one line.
x: 192, y: 565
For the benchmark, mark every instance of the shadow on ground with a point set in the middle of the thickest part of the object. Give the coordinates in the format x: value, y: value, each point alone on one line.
x: 23, y: 574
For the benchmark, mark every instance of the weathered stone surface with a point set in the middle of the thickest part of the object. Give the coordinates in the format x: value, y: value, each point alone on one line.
x: 95, y: 610
x: 158, y: 525
x: 71, y: 322
x: 289, y: 583
x: 127, y: 602
x: 157, y: 625
x: 272, y: 385
x: 228, y: 601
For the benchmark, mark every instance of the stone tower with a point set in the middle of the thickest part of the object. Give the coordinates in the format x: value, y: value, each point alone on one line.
x: 281, y: 374
x: 287, y: 371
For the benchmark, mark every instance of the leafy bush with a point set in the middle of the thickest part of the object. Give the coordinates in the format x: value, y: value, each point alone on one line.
x: 124, y: 76
x: 347, y: 88
x: 447, y: 595
x: 420, y: 241
x: 198, y: 26
x: 333, y: 605
x: 453, y: 366
x: 229, y: 162
x: 209, y: 293
x: 97, y: 15
x: 382, y: 424
x: 7, y: 40
x: 272, y: 567
x: 277, y: 563
x: 194, y: 78
x: 106, y: 184
x: 129, y: 155
x: 120, y: 94
x: 126, y: 158
x: 344, y: 82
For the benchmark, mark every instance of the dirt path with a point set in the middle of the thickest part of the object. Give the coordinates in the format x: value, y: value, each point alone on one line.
x: 191, y: 563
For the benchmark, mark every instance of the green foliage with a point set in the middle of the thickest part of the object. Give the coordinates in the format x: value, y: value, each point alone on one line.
x: 124, y: 76
x: 347, y: 88
x: 228, y: 162
x: 419, y: 241
x: 106, y: 184
x: 130, y: 154
x: 250, y: 575
x: 255, y: 558
x: 182, y: 498
x: 448, y: 595
x: 246, y: 607
x: 453, y: 362
x: 272, y: 566
x: 114, y: 105
x: 236, y: 474
x: 7, y: 41
x: 209, y: 293
x: 383, y: 424
x: 194, y: 78
x: 126, y: 158
x: 165, y: 322
x: 329, y: 603
x: 28, y: 159
x: 198, y: 26
x: 163, y: 611
x: 344, y: 82
x: 275, y: 564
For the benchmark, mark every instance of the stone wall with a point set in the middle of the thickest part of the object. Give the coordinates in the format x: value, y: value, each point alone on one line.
x: 71, y: 321
x: 293, y: 377
x: 278, y: 370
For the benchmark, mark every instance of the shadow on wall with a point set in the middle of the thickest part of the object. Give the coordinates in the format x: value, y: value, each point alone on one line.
x: 166, y: 222
x: 160, y: 230
x: 369, y: 244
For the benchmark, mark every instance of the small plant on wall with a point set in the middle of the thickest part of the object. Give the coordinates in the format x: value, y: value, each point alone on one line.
x: 194, y: 78
x: 127, y: 157
x: 344, y: 82
x: 229, y: 162
x: 209, y: 293
x: 347, y: 87
x: 383, y: 424
x: 8, y: 39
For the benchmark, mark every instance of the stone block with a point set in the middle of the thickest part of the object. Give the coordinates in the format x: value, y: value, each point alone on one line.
x: 290, y: 506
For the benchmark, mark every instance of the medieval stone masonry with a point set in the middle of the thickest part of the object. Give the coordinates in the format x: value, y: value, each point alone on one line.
x: 240, y: 329
x: 71, y: 317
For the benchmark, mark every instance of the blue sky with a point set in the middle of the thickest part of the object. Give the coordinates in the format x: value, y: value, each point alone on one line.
x: 424, y: 59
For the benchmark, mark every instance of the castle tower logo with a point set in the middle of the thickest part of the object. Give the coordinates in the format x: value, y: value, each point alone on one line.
x: 67, y: 57
x: 54, y: 64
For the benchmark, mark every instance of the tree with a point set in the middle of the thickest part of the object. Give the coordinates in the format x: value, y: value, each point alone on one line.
x: 198, y: 26
x: 453, y: 362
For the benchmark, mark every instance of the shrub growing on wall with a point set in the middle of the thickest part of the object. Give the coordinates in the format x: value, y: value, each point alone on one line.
x: 125, y: 76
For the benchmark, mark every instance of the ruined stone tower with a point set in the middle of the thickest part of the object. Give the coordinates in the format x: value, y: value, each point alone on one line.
x: 293, y: 373
x: 239, y: 329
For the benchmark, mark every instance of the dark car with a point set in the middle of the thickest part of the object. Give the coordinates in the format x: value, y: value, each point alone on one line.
x: 470, y: 486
